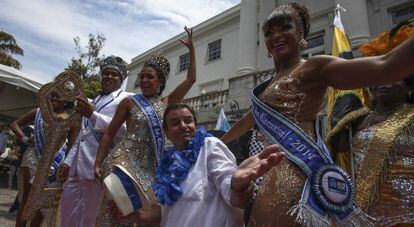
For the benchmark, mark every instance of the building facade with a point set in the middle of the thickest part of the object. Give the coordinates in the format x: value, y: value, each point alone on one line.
x: 231, y: 57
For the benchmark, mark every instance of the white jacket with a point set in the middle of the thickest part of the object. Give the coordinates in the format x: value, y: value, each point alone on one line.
x: 82, y: 156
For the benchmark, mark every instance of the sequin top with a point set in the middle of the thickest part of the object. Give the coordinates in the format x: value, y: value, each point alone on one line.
x: 395, y: 203
x: 282, y: 186
x: 135, y: 152
x: 31, y: 156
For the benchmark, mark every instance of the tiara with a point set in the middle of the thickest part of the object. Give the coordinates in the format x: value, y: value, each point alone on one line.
x: 160, y: 61
x: 291, y: 9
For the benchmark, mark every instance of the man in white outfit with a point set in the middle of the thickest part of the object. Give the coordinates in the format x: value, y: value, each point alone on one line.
x: 81, y: 192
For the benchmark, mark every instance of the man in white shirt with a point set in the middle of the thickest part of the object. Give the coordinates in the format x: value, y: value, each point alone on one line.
x: 198, y: 181
x: 81, y: 192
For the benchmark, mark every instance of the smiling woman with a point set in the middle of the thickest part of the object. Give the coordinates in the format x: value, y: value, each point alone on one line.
x: 293, y: 98
x: 140, y: 150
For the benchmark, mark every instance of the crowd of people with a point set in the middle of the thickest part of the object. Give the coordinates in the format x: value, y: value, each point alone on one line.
x: 117, y: 169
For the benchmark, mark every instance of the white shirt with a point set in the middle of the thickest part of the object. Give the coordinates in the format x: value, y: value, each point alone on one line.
x: 81, y: 158
x: 206, y: 191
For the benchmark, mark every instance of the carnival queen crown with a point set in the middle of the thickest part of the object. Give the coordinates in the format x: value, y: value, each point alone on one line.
x: 160, y: 61
x: 116, y: 63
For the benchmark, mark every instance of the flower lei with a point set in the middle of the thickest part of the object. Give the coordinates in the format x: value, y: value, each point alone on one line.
x: 174, y: 167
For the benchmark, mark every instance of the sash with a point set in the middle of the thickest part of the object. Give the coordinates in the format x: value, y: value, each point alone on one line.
x: 98, y: 108
x: 328, y: 193
x: 39, y: 142
x: 154, y: 123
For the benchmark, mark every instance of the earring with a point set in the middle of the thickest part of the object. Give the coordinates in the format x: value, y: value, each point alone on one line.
x: 303, y: 44
x: 269, y: 55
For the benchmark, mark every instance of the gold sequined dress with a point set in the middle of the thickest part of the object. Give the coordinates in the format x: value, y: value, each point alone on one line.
x: 282, y: 186
x: 135, y: 153
x: 395, y: 201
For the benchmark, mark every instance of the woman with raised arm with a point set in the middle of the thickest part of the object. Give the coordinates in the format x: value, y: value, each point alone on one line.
x: 296, y: 93
x: 34, y: 151
x: 142, y: 147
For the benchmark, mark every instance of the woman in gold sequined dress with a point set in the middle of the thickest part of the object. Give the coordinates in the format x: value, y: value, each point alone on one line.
x: 297, y: 91
x: 382, y: 144
x: 136, y: 151
x: 31, y: 156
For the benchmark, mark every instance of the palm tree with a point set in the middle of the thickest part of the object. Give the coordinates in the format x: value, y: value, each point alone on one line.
x: 8, y: 47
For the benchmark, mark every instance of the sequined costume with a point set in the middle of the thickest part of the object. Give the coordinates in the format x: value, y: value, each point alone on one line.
x: 384, y: 162
x: 135, y: 153
x: 29, y: 160
x: 282, y: 186
x: 392, y: 201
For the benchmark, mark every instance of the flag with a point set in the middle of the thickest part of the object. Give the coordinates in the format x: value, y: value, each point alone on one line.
x: 222, y: 123
x: 341, y: 47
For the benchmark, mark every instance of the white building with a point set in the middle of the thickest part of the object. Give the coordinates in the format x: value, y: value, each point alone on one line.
x: 230, y: 54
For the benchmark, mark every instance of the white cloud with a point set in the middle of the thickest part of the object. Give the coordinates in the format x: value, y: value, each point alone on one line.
x: 45, y: 29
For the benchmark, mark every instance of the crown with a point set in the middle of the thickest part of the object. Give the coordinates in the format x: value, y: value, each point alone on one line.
x: 116, y: 63
x: 160, y: 61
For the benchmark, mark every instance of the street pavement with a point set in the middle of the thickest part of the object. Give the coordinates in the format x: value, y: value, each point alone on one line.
x: 6, y: 200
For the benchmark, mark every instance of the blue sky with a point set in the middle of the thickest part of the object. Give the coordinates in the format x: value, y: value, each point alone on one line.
x: 45, y: 29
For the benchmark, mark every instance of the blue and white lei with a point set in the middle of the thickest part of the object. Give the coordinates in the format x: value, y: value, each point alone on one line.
x: 174, y: 167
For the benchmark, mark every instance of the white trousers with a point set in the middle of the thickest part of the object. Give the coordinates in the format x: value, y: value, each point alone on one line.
x: 80, y: 201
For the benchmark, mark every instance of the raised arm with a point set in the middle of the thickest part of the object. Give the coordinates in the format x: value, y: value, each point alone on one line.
x: 179, y: 92
x: 363, y: 72
x: 120, y: 117
x: 238, y: 129
x: 15, y: 125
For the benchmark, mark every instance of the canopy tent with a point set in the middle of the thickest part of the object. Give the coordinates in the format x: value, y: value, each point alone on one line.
x: 17, y: 93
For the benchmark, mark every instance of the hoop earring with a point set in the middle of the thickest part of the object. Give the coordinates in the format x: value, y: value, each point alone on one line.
x: 303, y: 44
x: 269, y: 55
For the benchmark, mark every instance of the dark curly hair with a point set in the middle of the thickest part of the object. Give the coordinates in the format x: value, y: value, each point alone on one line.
x: 287, y: 13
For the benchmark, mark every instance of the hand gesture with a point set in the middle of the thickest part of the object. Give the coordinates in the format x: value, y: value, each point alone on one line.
x: 189, y: 42
x: 255, y: 166
x: 98, y: 173
x: 84, y: 107
x: 62, y: 173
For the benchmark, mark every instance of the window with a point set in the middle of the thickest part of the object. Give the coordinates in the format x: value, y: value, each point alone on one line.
x: 214, y: 50
x: 183, y: 62
x: 315, y: 41
x: 316, y: 45
x: 401, y: 14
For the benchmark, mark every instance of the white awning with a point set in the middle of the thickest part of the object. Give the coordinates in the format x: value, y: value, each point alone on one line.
x: 17, y: 93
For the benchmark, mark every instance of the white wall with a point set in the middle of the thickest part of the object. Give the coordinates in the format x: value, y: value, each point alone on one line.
x: 217, y: 70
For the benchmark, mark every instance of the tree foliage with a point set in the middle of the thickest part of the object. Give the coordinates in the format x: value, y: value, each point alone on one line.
x: 86, y: 64
x: 8, y: 48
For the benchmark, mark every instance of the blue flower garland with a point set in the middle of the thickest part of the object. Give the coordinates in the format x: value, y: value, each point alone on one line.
x: 174, y: 167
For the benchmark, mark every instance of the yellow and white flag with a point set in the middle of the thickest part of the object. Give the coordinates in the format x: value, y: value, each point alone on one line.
x: 341, y: 47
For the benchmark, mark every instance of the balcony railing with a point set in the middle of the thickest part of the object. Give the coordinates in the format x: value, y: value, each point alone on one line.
x: 208, y: 101
x: 259, y: 77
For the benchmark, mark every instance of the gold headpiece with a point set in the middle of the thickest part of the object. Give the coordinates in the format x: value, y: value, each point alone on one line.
x: 288, y: 8
x: 159, y: 61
